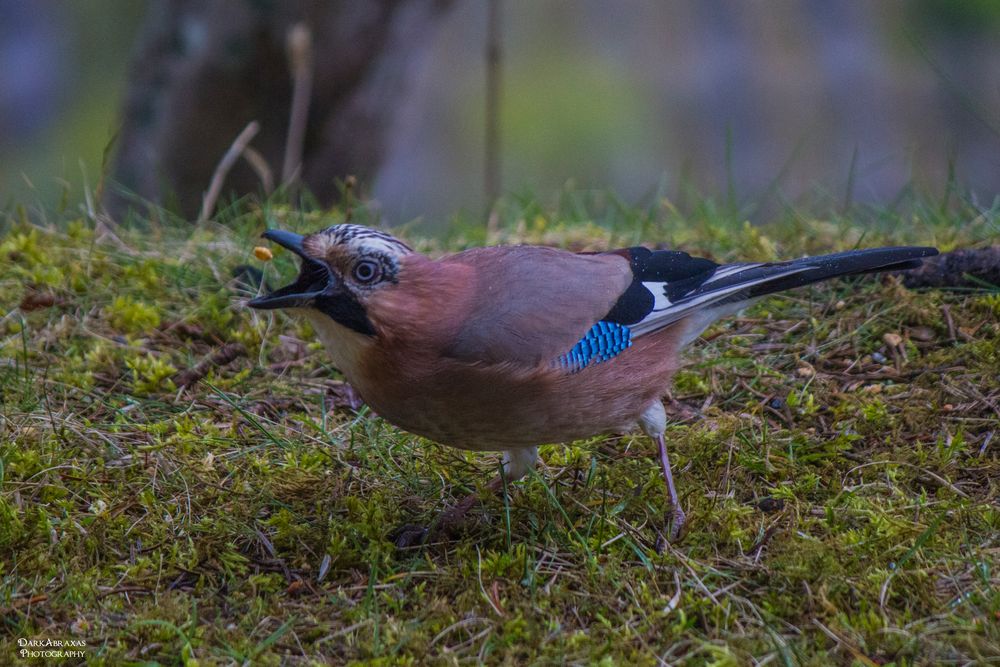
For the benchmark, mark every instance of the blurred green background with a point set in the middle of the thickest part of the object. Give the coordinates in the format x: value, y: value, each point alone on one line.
x: 792, y: 99
x: 62, y: 74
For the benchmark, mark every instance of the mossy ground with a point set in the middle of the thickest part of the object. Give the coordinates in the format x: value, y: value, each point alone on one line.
x: 843, y: 492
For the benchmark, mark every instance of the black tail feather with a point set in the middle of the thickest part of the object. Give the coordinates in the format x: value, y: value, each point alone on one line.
x: 816, y: 269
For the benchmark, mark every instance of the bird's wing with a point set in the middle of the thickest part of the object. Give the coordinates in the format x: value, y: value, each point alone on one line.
x: 671, y: 286
x: 532, y: 304
x: 538, y: 305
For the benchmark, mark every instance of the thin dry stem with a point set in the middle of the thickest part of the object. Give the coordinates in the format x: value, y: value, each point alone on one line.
x: 260, y: 166
x: 300, y: 55
x: 222, y: 170
x: 491, y: 174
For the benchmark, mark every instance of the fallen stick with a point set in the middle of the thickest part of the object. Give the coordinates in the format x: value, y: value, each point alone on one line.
x: 222, y: 170
x: 977, y: 267
x: 220, y: 357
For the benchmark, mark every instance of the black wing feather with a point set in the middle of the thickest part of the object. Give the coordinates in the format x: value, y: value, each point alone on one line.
x: 679, y: 272
x: 683, y: 284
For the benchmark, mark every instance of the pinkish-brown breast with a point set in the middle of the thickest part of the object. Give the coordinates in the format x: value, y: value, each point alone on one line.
x: 502, y: 406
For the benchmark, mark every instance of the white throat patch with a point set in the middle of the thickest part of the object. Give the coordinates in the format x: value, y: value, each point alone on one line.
x: 345, y: 346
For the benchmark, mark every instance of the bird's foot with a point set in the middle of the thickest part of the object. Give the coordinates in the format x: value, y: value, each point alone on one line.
x: 676, y: 525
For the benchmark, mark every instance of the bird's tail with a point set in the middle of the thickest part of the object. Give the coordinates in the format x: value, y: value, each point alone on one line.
x: 732, y: 286
x: 749, y: 281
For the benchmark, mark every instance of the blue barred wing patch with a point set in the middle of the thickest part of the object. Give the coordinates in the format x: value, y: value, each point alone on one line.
x: 604, y: 341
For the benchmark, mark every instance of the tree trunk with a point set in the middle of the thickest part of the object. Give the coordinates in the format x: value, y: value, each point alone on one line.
x: 203, y: 70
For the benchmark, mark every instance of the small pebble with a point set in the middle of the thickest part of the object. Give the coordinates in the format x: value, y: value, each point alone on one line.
x: 878, y: 358
x: 263, y: 254
x: 892, y: 339
x: 769, y: 504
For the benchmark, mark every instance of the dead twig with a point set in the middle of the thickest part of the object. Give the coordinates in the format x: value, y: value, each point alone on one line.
x: 222, y: 170
x: 491, y: 176
x: 224, y: 355
x: 972, y: 267
x: 946, y: 311
x: 300, y: 56
x: 260, y: 167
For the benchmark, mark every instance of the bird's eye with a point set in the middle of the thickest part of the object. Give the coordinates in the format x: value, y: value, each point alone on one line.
x: 366, y: 271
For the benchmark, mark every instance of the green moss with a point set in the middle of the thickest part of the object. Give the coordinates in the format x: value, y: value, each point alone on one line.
x: 152, y: 374
x: 133, y: 317
x: 832, y: 517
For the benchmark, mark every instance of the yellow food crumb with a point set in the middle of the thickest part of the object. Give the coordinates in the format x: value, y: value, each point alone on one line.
x: 262, y: 253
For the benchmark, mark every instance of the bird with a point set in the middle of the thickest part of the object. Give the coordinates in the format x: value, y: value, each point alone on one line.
x: 505, y: 348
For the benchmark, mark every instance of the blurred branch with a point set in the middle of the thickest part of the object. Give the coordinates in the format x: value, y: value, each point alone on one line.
x: 300, y: 55
x: 491, y: 185
x: 260, y: 166
x: 225, y: 164
x: 104, y: 224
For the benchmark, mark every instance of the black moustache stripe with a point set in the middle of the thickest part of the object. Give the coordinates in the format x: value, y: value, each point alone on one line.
x: 343, y: 308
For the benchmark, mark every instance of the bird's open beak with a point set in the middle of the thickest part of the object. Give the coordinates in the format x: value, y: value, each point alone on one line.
x: 314, y: 278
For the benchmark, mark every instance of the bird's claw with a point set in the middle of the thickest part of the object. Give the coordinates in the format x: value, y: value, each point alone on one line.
x: 678, y: 523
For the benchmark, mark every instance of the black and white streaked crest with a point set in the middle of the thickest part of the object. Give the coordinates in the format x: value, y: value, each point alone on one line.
x: 358, y: 236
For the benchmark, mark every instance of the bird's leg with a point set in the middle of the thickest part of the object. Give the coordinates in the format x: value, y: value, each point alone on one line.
x: 653, y: 422
x: 516, y: 464
x: 675, y: 530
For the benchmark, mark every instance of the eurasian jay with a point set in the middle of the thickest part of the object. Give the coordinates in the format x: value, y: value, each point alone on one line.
x: 509, y: 347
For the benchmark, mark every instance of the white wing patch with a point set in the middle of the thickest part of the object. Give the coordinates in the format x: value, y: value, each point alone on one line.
x: 659, y: 291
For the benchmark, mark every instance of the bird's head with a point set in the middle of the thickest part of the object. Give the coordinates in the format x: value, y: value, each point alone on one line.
x: 343, y: 268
